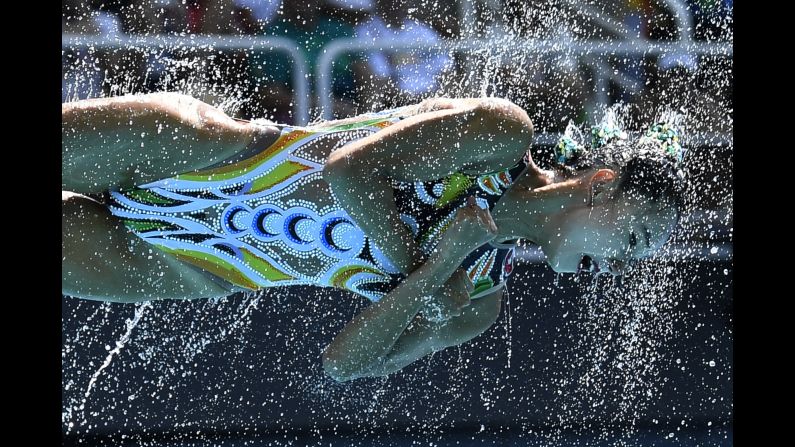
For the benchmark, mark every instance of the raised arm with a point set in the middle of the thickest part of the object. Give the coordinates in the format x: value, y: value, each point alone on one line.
x: 379, y: 340
x: 109, y: 143
x: 424, y: 337
x: 442, y: 137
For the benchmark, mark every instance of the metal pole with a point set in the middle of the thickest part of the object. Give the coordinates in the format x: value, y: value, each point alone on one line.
x: 466, y: 12
x: 683, y: 18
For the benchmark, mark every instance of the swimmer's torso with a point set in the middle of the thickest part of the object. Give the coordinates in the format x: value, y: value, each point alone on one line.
x: 271, y: 219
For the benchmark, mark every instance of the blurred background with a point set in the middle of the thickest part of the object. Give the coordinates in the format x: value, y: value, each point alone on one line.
x: 646, y: 362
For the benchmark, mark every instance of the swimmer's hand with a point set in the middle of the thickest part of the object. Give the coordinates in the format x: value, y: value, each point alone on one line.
x: 471, y: 228
x: 450, y: 299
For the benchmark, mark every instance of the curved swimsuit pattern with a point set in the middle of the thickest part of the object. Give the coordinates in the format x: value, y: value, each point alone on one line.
x: 240, y: 223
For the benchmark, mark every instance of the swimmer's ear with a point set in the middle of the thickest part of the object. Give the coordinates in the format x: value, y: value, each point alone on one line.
x: 600, y: 184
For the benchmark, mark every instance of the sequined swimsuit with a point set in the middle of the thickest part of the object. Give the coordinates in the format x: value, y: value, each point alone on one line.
x: 243, y: 223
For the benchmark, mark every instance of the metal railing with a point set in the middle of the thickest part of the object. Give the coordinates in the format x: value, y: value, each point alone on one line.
x: 335, y: 48
x: 677, y: 9
x: 200, y: 42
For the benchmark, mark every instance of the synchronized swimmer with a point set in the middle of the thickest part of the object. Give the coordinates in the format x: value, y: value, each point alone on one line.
x: 418, y: 209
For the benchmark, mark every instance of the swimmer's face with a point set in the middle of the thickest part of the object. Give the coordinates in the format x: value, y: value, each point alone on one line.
x: 608, y: 232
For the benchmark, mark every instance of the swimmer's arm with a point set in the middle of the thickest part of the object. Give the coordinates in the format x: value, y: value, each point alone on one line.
x: 426, y: 106
x: 424, y: 337
x: 108, y: 143
x: 442, y: 137
x: 371, y: 335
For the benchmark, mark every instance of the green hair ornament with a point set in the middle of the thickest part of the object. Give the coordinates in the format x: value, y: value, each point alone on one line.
x: 664, y: 134
x: 604, y: 134
x: 667, y: 137
x: 568, y: 149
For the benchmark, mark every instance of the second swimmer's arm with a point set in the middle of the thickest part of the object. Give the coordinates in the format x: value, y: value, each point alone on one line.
x: 368, y: 340
x: 372, y: 334
x: 424, y: 337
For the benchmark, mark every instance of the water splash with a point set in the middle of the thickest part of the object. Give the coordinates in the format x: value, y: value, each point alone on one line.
x: 619, y: 334
x: 131, y: 324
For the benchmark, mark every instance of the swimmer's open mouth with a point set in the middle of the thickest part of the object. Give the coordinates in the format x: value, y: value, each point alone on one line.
x: 588, y: 264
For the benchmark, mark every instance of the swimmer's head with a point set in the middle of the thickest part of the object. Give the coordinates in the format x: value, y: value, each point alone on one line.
x: 633, y: 198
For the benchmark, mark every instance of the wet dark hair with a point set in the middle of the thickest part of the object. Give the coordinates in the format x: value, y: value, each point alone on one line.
x: 653, y: 179
x: 644, y: 171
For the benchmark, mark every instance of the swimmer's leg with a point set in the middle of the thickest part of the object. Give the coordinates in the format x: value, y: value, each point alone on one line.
x: 112, y: 143
x: 102, y: 260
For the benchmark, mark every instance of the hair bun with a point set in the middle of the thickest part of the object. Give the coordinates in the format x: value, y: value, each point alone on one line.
x: 606, y: 133
x: 666, y: 136
x: 569, y: 149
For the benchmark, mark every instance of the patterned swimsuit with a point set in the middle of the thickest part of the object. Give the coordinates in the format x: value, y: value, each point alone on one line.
x: 242, y: 222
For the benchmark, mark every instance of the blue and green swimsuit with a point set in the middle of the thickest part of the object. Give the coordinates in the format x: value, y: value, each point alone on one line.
x: 241, y: 223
